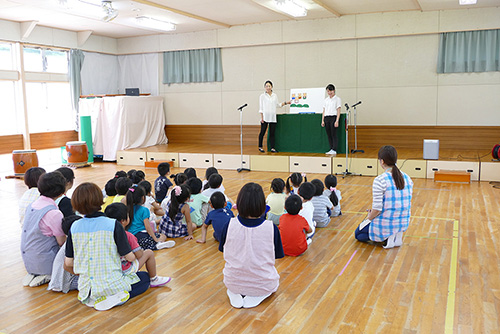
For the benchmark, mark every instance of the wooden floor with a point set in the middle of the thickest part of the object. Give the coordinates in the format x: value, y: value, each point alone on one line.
x: 444, y: 279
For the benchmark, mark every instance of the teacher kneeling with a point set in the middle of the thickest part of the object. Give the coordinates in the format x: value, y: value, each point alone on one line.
x: 390, y: 213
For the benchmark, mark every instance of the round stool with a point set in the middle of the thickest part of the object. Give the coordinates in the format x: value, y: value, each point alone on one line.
x: 24, y: 160
x: 78, y: 154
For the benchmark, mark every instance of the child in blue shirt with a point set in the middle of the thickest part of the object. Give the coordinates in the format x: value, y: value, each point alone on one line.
x: 219, y: 217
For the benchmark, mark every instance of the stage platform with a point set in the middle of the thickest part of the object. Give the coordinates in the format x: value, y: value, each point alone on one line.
x: 478, y: 163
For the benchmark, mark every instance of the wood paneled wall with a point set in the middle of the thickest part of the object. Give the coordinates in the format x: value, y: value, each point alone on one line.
x: 212, y: 134
x: 39, y: 141
x: 411, y: 137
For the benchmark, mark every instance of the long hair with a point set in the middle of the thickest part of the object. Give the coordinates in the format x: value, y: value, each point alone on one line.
x: 331, y: 182
x: 135, y: 196
x: 177, y: 200
x: 390, y: 156
x: 295, y: 179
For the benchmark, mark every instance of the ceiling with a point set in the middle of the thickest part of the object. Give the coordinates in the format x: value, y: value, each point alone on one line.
x: 198, y: 15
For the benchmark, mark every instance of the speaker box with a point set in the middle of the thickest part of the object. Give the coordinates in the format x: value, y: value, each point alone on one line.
x: 431, y: 149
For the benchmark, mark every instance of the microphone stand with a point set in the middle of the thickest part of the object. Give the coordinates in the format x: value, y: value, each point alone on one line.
x: 346, y: 172
x: 241, y: 140
x: 355, y: 132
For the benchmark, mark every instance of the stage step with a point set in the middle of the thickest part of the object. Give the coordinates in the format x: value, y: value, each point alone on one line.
x: 452, y: 176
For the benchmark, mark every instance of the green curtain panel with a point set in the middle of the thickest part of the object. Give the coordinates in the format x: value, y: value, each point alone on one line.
x: 469, y: 51
x: 203, y: 65
x: 76, y: 58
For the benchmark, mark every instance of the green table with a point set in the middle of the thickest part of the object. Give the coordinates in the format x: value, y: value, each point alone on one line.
x: 303, y: 133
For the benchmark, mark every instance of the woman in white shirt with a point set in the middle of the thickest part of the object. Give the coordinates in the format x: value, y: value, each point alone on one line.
x: 268, y: 102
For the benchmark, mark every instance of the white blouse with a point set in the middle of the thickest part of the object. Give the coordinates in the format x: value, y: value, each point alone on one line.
x: 267, y: 106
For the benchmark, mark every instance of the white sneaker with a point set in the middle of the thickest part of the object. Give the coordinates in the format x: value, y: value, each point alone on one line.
x: 165, y: 244
x: 27, y: 279
x: 106, y: 302
x: 40, y: 280
x: 90, y: 302
x: 159, y: 281
x: 309, y: 241
x: 331, y: 152
x: 251, y: 301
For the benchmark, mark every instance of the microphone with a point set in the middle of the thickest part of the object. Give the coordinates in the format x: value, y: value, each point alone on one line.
x: 243, y: 106
x: 346, y: 106
x: 356, y: 104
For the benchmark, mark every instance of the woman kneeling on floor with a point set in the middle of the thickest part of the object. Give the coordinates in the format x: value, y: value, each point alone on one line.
x: 390, y: 213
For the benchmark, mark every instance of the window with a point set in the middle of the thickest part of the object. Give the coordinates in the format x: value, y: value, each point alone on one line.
x: 49, y: 107
x: 11, y: 124
x: 6, y: 57
x: 45, y: 60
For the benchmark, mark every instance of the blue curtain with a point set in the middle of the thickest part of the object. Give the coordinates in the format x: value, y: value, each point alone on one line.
x: 76, y: 58
x: 203, y: 65
x: 469, y: 51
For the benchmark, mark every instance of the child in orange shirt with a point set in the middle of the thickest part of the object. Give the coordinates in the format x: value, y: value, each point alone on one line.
x: 292, y: 227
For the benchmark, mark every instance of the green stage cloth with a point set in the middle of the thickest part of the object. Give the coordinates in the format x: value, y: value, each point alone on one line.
x: 303, y: 133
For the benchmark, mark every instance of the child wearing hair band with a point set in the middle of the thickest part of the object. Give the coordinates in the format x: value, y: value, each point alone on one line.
x: 333, y: 194
x: 179, y: 178
x: 172, y: 224
x: 294, y: 181
x: 139, y: 221
x: 276, y: 200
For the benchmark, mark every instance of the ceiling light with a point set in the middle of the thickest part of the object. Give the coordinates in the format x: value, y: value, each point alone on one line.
x: 291, y: 8
x: 151, y: 23
x: 109, y: 12
x: 467, y: 2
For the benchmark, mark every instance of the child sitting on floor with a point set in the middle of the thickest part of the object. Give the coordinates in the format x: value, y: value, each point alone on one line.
x: 197, y: 202
x: 219, y: 217
x: 122, y: 185
x: 322, y: 205
x: 155, y: 210
x: 306, y: 192
x: 162, y: 183
x: 64, y: 202
x: 110, y: 190
x: 333, y: 194
x: 292, y: 227
x: 294, y: 181
x: 31, y: 177
x: 139, y: 221
x: 177, y: 222
x: 250, y: 245
x: 146, y: 257
x: 276, y: 200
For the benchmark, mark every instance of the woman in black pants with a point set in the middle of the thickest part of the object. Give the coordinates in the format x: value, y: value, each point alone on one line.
x: 268, y: 102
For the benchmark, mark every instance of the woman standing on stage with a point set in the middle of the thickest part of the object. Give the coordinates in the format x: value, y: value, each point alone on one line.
x: 268, y: 102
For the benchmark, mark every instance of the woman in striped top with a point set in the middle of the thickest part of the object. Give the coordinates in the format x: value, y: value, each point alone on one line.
x: 389, y: 216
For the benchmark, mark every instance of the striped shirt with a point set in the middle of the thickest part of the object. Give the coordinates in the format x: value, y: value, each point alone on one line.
x: 394, y: 206
x: 321, y: 203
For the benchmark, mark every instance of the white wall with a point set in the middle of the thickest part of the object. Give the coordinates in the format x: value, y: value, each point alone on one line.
x: 387, y: 60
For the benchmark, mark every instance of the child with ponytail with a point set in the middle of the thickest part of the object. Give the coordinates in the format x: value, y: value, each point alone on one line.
x: 139, y: 221
x: 389, y: 216
x: 333, y: 194
x: 294, y: 181
x: 177, y: 219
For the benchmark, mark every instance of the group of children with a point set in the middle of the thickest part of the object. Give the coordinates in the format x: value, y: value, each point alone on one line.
x: 124, y: 223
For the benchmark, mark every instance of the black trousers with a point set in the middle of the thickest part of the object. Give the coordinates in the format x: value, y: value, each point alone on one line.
x: 331, y: 131
x: 263, y: 128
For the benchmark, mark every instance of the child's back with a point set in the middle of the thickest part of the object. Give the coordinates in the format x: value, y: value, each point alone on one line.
x: 322, y: 205
x: 276, y: 200
x: 292, y: 227
x: 162, y: 183
x: 198, y: 203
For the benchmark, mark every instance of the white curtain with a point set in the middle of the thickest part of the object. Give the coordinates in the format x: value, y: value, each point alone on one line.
x: 139, y: 71
x: 107, y: 74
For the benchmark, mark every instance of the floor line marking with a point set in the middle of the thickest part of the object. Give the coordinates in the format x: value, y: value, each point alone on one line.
x: 420, y: 217
x: 406, y: 236
x: 348, y: 262
x: 452, y: 284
